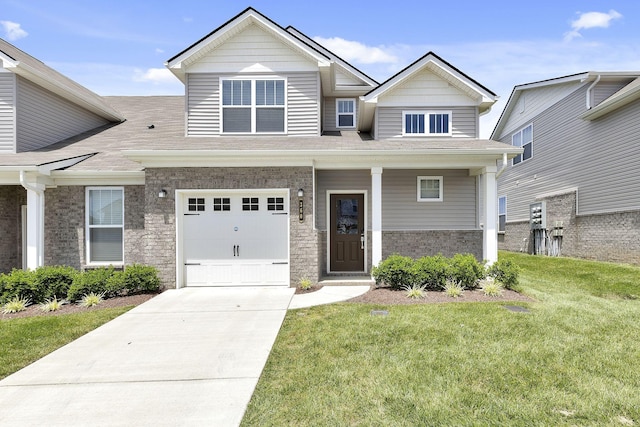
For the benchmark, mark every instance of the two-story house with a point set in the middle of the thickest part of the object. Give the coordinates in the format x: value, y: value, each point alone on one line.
x: 281, y: 161
x: 579, y: 166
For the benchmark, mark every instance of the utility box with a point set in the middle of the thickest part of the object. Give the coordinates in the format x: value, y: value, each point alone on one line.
x: 558, y: 229
x: 538, y: 216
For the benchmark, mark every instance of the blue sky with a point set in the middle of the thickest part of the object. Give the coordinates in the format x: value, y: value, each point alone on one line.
x: 119, y: 47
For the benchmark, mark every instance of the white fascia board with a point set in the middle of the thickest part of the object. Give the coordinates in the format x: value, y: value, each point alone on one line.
x: 75, y: 177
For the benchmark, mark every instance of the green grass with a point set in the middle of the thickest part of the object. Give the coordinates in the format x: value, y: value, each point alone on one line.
x: 573, y: 360
x: 25, y: 340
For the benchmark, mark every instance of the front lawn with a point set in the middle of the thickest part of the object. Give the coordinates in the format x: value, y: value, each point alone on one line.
x: 26, y: 340
x: 572, y: 360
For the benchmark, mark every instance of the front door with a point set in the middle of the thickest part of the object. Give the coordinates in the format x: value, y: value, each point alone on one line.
x: 347, y: 232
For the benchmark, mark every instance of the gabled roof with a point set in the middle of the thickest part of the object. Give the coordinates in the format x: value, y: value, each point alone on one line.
x: 28, y: 67
x: 443, y: 69
x: 624, y: 96
x: 614, y: 101
x: 232, y: 27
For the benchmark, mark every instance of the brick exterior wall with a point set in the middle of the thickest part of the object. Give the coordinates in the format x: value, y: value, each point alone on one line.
x: 417, y: 244
x: 160, y: 221
x: 605, y: 237
x: 11, y: 199
x: 64, y: 240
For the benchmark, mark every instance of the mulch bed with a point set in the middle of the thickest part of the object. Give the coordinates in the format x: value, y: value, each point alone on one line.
x: 34, y: 310
x: 387, y: 296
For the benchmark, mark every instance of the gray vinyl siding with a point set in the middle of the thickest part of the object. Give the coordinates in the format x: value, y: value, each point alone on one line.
x: 340, y: 180
x: 464, y: 121
x: 402, y: 211
x: 7, y: 112
x: 43, y: 118
x: 203, y: 104
x: 598, y: 157
x: 329, y: 119
x: 603, y: 90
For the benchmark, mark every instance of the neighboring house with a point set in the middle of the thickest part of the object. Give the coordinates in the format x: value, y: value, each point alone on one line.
x: 580, y: 163
x: 282, y: 161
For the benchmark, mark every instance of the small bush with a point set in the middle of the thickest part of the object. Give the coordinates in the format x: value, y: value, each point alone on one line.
x: 431, y: 272
x: 20, y: 284
x: 414, y: 291
x: 91, y: 299
x: 141, y: 278
x: 505, y: 272
x: 15, y: 304
x: 491, y: 288
x: 453, y: 289
x: 54, y: 281
x: 305, y: 284
x: 115, y: 285
x: 466, y: 270
x: 396, y: 271
x: 51, y: 305
x: 90, y: 281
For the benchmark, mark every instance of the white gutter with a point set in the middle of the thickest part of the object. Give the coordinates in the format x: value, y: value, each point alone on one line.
x: 27, y: 186
x: 595, y: 82
x: 504, y: 166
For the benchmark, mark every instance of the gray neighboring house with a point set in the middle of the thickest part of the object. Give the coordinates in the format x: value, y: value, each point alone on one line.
x: 580, y: 137
x: 281, y: 161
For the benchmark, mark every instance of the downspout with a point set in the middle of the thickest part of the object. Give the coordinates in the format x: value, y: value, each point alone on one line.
x: 591, y: 86
x: 504, y: 165
x: 40, y: 215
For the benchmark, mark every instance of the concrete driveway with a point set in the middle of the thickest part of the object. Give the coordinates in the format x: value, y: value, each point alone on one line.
x: 186, y: 357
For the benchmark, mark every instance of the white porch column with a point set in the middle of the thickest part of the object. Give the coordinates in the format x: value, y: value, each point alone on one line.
x: 35, y: 222
x: 376, y: 215
x: 490, y: 237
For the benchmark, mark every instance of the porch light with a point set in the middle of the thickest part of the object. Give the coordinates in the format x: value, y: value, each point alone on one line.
x: 301, y: 193
x: 162, y: 194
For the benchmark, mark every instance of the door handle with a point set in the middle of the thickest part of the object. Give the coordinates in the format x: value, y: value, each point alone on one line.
x: 238, y: 250
x: 234, y: 250
x: 362, y: 241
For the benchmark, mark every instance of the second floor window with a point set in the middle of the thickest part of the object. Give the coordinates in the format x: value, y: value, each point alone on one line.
x: 426, y: 123
x: 523, y: 138
x: 345, y: 113
x: 253, y: 106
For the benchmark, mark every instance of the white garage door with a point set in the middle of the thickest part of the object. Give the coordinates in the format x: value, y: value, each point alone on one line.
x: 236, y: 238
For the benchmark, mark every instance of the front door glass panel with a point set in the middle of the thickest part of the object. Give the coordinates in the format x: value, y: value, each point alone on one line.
x: 347, y: 216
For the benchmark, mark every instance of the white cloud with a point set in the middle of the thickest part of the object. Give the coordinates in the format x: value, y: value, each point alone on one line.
x: 357, y: 52
x: 158, y: 50
x: 589, y: 20
x: 154, y: 75
x: 13, y: 31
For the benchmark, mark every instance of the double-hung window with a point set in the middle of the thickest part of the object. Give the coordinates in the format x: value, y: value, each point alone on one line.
x: 523, y: 138
x: 430, y: 189
x: 502, y: 213
x: 253, y: 106
x: 345, y: 113
x: 105, y: 225
x: 426, y: 123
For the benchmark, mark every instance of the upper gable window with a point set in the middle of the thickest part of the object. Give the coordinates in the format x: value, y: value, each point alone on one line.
x: 345, y: 113
x: 253, y: 106
x: 523, y: 138
x: 426, y: 123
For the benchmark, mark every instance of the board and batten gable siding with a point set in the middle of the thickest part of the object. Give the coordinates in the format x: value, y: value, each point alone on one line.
x: 402, y: 211
x: 340, y: 180
x: 203, y: 103
x: 600, y: 158
x: 44, y: 118
x: 464, y: 121
x: 7, y: 112
x: 253, y: 50
x: 329, y: 119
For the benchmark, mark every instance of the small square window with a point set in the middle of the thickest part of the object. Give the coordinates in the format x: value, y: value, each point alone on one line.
x: 430, y: 189
x: 221, y: 204
x: 250, y: 204
x: 275, y: 203
x: 195, y: 204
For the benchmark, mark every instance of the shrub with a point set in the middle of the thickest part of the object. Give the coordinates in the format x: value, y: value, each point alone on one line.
x: 20, y: 284
x: 414, y: 291
x: 115, y: 285
x: 91, y: 299
x: 141, y: 278
x: 54, y: 281
x: 431, y: 272
x: 90, y: 281
x: 491, y: 288
x: 305, y: 284
x: 505, y: 272
x: 51, y: 305
x: 466, y: 270
x: 396, y: 271
x: 453, y: 289
x: 15, y: 305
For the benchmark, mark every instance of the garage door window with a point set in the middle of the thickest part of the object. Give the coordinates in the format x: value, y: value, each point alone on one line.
x: 221, y: 204
x: 250, y: 204
x: 275, y: 203
x: 195, y: 204
x: 105, y: 225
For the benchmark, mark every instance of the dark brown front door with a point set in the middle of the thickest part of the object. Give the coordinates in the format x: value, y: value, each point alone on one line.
x: 347, y: 232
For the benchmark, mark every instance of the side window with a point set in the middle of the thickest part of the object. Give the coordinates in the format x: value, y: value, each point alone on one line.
x: 345, y: 113
x: 502, y: 213
x: 523, y: 138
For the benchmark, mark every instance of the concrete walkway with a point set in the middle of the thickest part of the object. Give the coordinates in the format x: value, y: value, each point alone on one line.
x: 188, y: 357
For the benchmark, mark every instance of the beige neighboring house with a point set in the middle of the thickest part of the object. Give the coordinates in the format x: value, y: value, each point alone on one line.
x: 579, y: 135
x: 281, y: 161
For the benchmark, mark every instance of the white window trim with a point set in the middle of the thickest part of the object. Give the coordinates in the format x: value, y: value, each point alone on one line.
x: 426, y: 114
x: 253, y: 105
x: 441, y: 191
x: 338, y: 114
x: 520, y: 131
x: 87, y: 236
